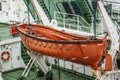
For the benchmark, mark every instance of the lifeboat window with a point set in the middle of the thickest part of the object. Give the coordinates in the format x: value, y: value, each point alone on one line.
x: 0, y: 6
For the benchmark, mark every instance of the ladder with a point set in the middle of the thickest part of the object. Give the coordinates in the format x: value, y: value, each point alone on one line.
x: 24, y: 54
x: 88, y: 8
x: 116, y: 14
x: 42, y: 4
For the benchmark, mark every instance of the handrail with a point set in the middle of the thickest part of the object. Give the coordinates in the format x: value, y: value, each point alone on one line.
x: 111, y: 2
x: 81, y: 28
x: 77, y: 22
x: 72, y: 15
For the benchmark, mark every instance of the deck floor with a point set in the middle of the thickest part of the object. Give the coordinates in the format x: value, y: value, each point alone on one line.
x: 14, y: 75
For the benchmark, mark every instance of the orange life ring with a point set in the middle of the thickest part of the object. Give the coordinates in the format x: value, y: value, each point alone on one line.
x: 5, y: 58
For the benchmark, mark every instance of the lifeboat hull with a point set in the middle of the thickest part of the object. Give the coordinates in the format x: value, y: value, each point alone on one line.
x: 58, y: 44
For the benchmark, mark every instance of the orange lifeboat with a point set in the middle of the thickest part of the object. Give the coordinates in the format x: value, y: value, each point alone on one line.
x: 48, y: 41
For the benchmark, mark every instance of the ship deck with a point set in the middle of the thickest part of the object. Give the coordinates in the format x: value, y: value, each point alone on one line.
x: 64, y: 75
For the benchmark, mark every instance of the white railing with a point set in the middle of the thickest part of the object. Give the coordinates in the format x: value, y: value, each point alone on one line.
x: 117, y: 12
x: 115, y: 9
x: 99, y: 26
x: 75, y: 22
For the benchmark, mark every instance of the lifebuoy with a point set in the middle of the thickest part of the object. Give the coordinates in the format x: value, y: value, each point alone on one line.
x: 5, y: 58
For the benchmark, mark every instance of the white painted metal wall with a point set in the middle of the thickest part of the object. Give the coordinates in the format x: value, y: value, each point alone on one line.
x: 14, y: 10
x: 14, y: 47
